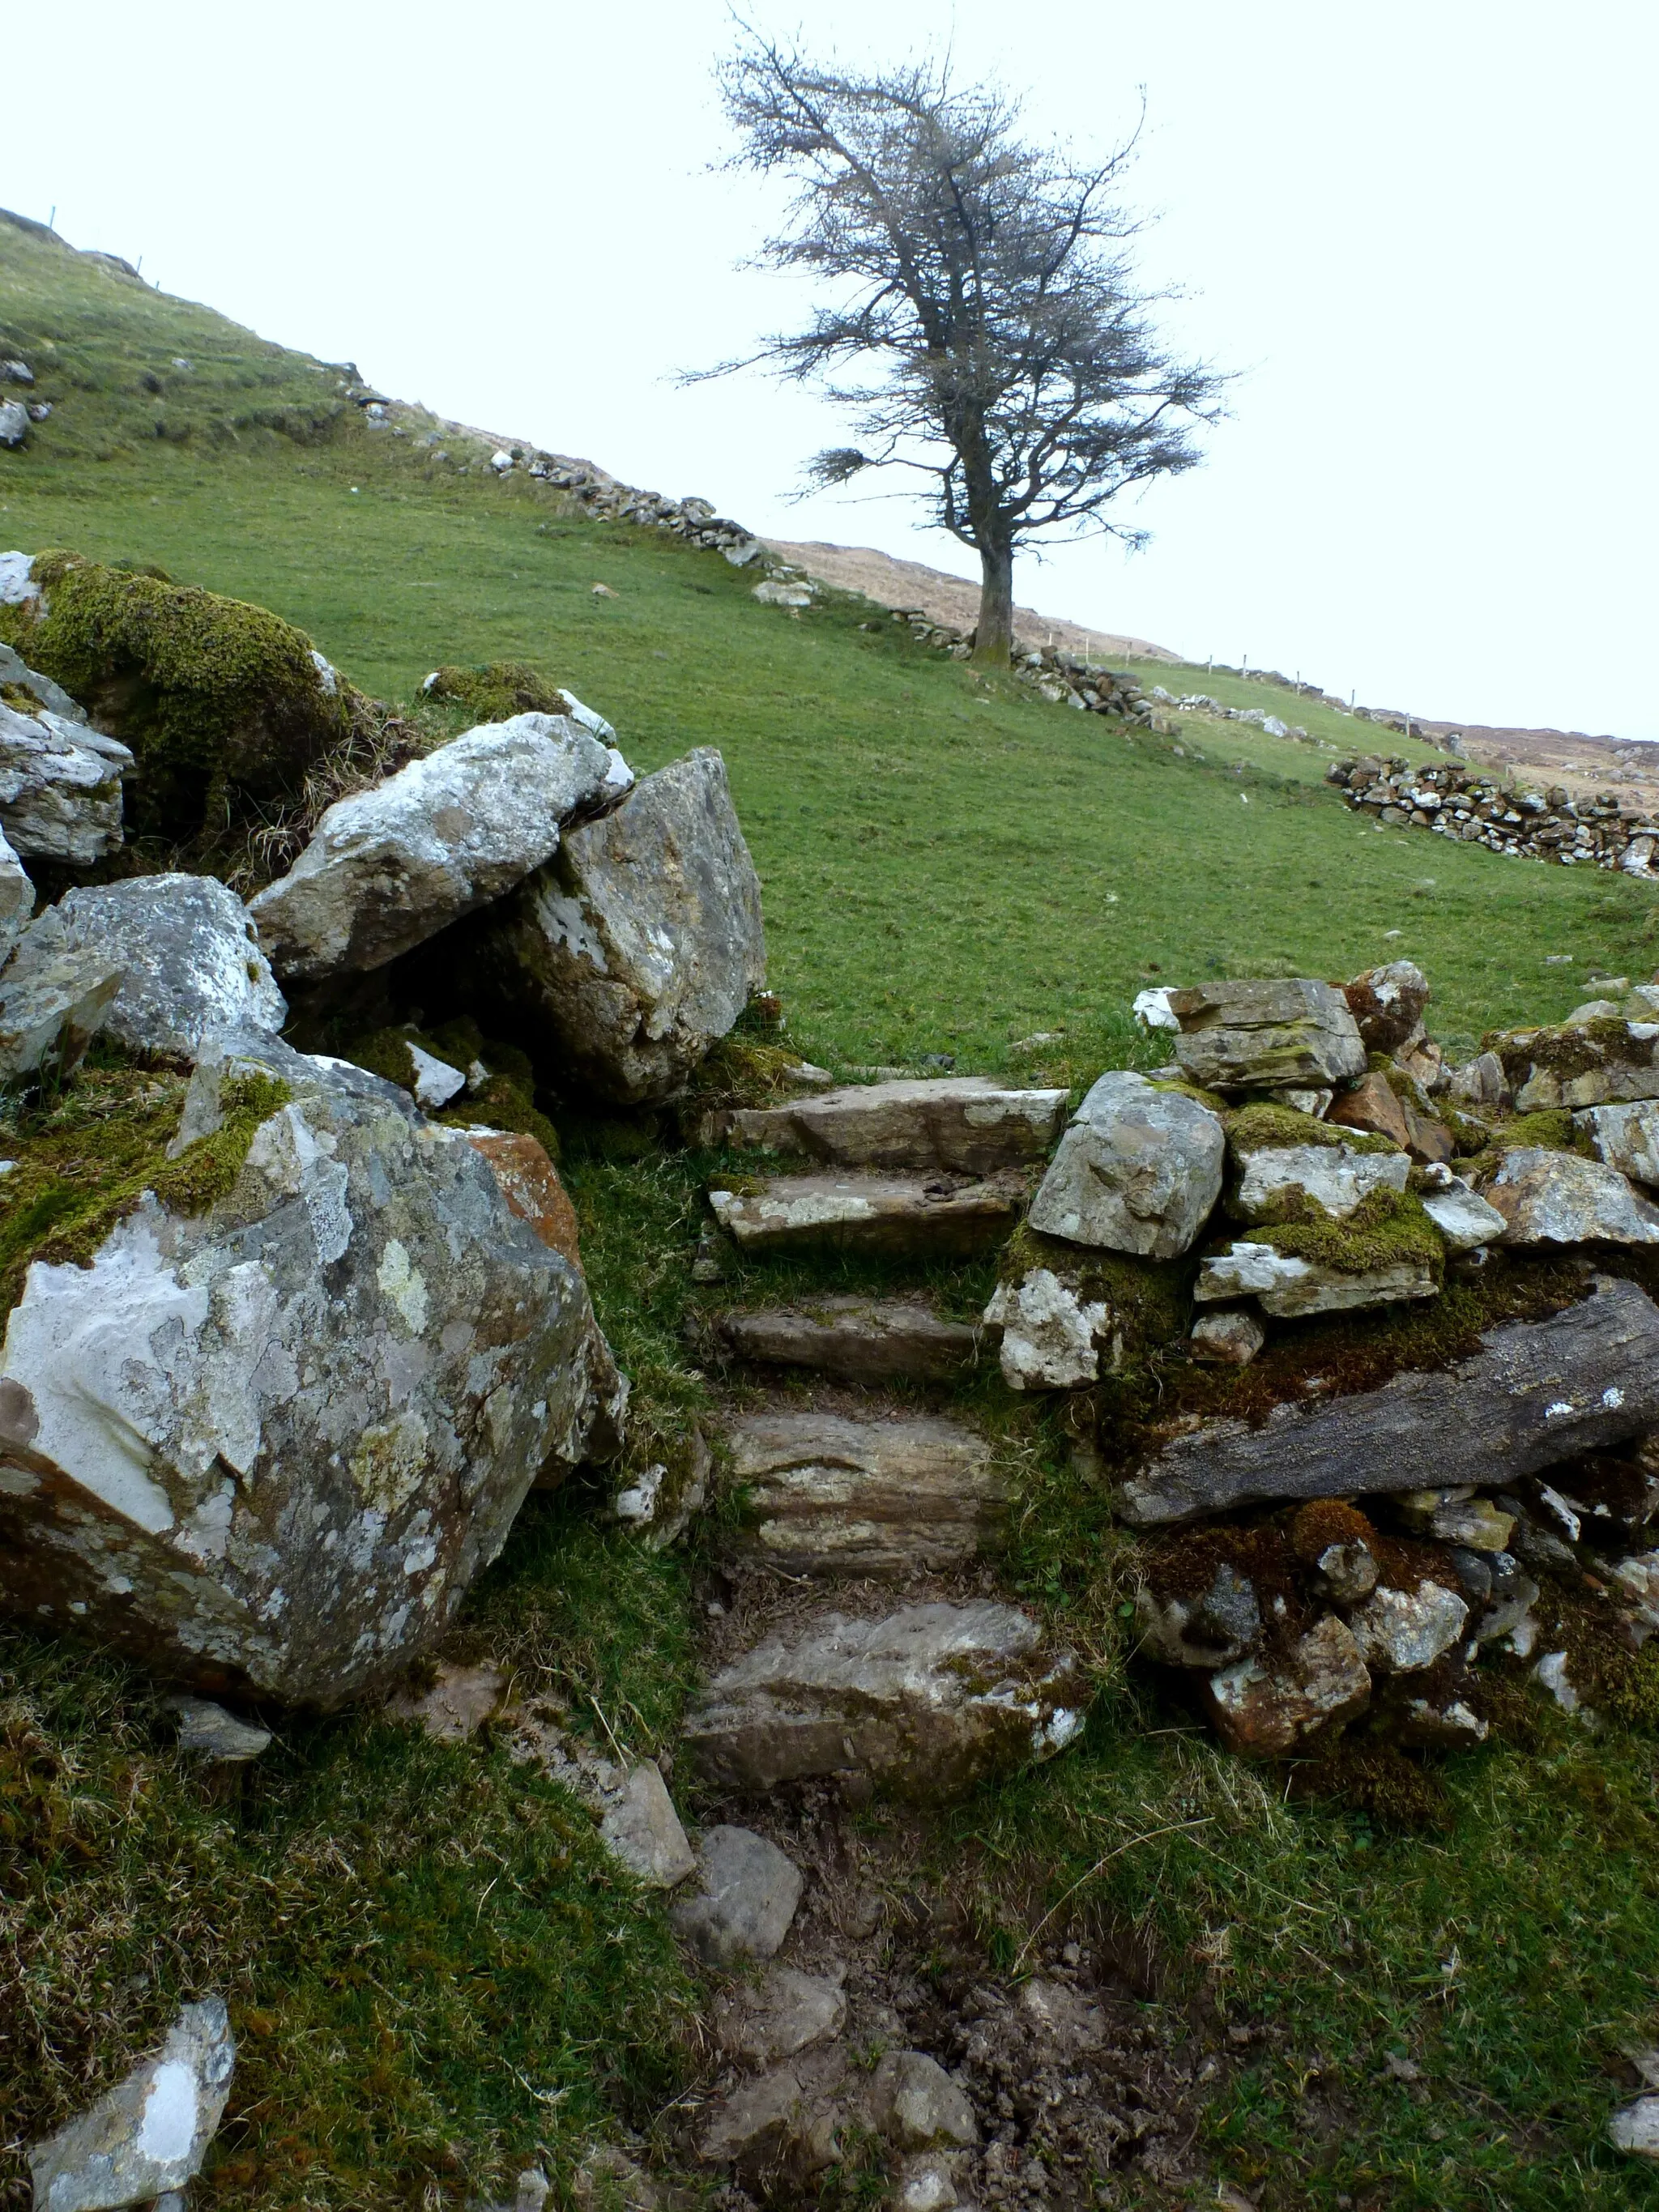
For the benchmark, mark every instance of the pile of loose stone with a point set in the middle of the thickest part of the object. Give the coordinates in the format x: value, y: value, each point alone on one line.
x: 1456, y: 801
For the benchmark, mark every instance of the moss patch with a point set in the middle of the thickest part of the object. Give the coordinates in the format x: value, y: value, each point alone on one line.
x: 1265, y: 1127
x: 496, y: 690
x: 222, y: 703
x: 1573, y: 1049
x: 84, y: 1161
x: 1386, y: 1229
x: 1151, y: 1300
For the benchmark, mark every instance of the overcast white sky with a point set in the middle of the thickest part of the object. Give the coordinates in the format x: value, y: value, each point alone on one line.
x: 1422, y: 235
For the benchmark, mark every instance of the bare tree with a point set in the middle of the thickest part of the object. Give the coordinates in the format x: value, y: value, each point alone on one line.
x: 985, y: 324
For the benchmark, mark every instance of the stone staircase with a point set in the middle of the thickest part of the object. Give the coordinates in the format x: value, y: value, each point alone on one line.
x: 866, y: 1645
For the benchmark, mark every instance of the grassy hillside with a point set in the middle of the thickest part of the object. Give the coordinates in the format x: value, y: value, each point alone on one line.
x: 432, y: 1973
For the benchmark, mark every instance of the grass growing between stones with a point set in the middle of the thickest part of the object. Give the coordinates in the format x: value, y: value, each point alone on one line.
x: 432, y: 1973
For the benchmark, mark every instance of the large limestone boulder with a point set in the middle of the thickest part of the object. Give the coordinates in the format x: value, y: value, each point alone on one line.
x: 60, y: 787
x: 189, y: 953
x: 268, y: 1445
x: 1139, y: 1170
x: 636, y: 948
x: 1266, y: 1036
x: 389, y: 868
x: 924, y: 1703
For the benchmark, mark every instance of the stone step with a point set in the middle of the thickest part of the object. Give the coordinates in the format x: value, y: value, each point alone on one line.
x: 970, y: 1123
x: 881, y: 1497
x: 856, y: 1339
x: 924, y: 1703
x: 917, y: 1215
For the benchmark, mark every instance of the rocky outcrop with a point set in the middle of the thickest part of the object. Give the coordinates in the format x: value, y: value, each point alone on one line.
x: 1139, y: 1170
x: 390, y: 867
x: 924, y: 1703
x: 969, y: 1124
x: 638, y: 945
x: 151, y: 2134
x: 267, y: 1444
x: 1535, y: 1394
x: 189, y: 957
x: 829, y: 1495
x: 60, y: 787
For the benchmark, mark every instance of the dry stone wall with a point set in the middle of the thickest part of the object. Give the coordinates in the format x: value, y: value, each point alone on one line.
x: 1457, y: 801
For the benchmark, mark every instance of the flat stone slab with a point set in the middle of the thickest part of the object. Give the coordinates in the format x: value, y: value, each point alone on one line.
x: 926, y: 1702
x: 1537, y: 1393
x: 1267, y: 1035
x: 1336, y: 1177
x: 970, y: 1123
x: 1287, y: 1286
x: 897, y: 1213
x: 855, y: 1340
x: 833, y: 1496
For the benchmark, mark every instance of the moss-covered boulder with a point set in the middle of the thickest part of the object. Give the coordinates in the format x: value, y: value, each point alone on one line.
x: 226, y: 706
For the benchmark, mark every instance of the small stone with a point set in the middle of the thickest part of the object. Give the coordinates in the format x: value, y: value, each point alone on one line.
x: 211, y: 1733
x: 784, y: 2012
x: 783, y: 2121
x: 923, y: 2184
x: 1480, y: 1083
x: 1456, y: 1516
x: 454, y: 1705
x: 1624, y: 1137
x: 1264, y: 1710
x: 1436, y: 1724
x: 1139, y: 1170
x: 1634, y: 2127
x: 1227, y: 1340
x: 149, y: 2134
x: 659, y: 1503
x: 1463, y: 1218
x: 436, y: 1081
x: 639, y: 1825
x: 1399, y: 1631
x: 917, y: 2106
x: 1050, y: 1338
x: 1555, y: 1198
x: 1551, y: 1674
x: 14, y: 422
x: 750, y: 1891
x: 1349, y: 1571
x: 1210, y: 1631
x: 1388, y: 1003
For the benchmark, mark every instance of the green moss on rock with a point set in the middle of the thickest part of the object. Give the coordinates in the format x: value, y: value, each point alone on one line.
x: 84, y: 1162
x: 496, y: 691
x: 1264, y: 1126
x: 1386, y: 1229
x: 221, y: 703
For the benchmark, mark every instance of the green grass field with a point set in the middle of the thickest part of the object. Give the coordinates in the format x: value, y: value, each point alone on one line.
x: 949, y: 865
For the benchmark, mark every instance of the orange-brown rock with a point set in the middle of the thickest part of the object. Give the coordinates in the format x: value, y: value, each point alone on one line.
x: 529, y: 1184
x: 1375, y: 1105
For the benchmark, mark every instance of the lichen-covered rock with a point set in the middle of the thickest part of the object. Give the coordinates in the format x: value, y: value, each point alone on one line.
x: 1333, y: 1177
x: 1555, y: 1198
x: 1139, y: 1170
x: 150, y: 2134
x: 636, y: 948
x: 965, y: 1122
x: 926, y: 1703
x: 51, y: 1011
x: 1388, y: 1003
x: 1579, y: 1064
x: 1626, y: 1137
x: 1533, y: 1394
x: 1265, y: 1707
x: 268, y: 1445
x: 1211, y: 1629
x: 60, y: 788
x: 390, y: 867
x: 1374, y: 1106
x: 1266, y: 1036
x: 1287, y: 1286
x: 189, y: 955
x: 829, y: 1495
x: 1400, y: 1631
x: 1051, y: 1338
x: 16, y: 898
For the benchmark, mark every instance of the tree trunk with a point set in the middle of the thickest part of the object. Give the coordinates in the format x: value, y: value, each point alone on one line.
x: 993, y: 639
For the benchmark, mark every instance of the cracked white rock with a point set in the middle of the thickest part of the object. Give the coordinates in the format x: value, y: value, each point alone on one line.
x: 1400, y: 1631
x: 1051, y: 1338
x: 268, y: 1446
x: 1336, y: 1177
x: 149, y: 2134
x: 388, y: 868
x: 190, y: 957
